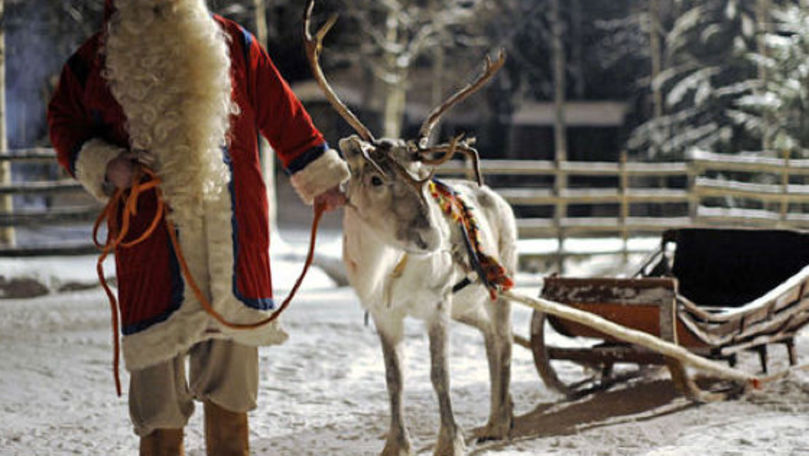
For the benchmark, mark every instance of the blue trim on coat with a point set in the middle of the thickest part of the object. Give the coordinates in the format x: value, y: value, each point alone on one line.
x: 302, y: 161
x: 176, y: 300
x: 247, y: 43
x: 255, y: 303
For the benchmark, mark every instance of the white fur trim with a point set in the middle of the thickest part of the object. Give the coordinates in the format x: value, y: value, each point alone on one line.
x: 182, y: 331
x: 207, y: 245
x: 218, y: 212
x: 320, y: 175
x: 163, y: 341
x: 91, y: 165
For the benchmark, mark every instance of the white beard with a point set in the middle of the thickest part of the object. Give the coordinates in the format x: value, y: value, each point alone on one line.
x: 167, y: 65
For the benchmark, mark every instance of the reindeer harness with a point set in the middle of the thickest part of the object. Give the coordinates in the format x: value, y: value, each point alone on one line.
x: 489, y: 271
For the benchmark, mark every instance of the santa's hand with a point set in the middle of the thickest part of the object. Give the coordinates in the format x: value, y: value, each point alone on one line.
x: 144, y: 157
x: 331, y: 199
x: 121, y: 169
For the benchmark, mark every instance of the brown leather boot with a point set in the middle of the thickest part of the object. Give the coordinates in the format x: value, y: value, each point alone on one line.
x: 225, y: 432
x: 162, y: 442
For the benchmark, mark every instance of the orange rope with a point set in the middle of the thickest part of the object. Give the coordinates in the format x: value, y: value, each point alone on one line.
x: 116, y: 235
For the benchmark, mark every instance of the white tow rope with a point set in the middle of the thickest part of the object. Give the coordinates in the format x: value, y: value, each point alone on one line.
x: 634, y: 336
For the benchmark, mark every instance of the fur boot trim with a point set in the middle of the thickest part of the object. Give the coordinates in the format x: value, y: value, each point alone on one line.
x: 320, y: 175
x: 91, y: 166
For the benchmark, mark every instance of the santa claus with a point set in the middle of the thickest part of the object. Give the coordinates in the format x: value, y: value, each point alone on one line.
x: 169, y: 85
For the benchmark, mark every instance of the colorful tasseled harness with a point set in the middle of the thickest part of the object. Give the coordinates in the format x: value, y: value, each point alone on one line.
x: 491, y: 273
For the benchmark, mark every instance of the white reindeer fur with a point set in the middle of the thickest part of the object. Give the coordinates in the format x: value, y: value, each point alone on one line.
x: 168, y: 66
x: 427, y: 278
x: 423, y: 289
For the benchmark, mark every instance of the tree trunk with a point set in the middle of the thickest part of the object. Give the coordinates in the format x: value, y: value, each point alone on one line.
x: 266, y: 152
x: 393, y: 113
x: 6, y: 204
x: 764, y: 26
x: 559, y: 83
x: 395, y: 94
x: 656, y: 52
x: 559, y: 128
x: 576, y: 48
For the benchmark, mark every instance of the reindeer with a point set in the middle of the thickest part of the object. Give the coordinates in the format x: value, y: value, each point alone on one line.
x: 404, y: 255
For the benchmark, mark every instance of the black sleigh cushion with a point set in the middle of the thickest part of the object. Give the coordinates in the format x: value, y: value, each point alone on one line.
x: 731, y: 267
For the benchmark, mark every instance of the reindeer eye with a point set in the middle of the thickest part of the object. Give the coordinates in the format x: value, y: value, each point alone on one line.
x: 376, y: 181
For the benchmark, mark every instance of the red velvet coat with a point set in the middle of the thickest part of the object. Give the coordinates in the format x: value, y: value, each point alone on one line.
x: 151, y: 288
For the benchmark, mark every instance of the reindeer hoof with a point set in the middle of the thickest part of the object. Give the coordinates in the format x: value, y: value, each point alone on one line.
x: 397, y: 448
x: 495, y: 431
x: 449, y: 444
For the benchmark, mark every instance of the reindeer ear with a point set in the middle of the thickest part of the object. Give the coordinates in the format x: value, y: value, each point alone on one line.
x: 351, y: 147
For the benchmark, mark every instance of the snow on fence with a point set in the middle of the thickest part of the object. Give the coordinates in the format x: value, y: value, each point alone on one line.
x: 638, y: 198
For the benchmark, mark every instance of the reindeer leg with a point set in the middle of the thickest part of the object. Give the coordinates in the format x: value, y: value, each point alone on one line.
x: 498, y: 338
x: 450, y: 438
x: 397, y: 442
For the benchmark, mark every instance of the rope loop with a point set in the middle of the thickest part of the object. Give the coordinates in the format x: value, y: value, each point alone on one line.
x: 126, y: 201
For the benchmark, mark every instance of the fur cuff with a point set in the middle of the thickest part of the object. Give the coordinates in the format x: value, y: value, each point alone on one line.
x: 91, y: 165
x: 327, y: 171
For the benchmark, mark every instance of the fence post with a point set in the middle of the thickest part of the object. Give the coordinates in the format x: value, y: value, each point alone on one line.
x: 784, y: 189
x: 560, y: 210
x: 624, y: 188
x: 6, y: 202
x: 693, y: 194
x: 560, y: 119
x: 469, y: 168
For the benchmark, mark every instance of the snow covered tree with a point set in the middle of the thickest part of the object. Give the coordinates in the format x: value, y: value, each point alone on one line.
x: 778, y: 109
x: 705, y: 72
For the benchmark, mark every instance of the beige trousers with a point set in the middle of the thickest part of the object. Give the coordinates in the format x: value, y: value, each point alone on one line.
x: 221, y: 371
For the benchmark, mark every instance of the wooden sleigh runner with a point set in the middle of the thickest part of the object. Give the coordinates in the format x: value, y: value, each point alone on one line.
x: 715, y: 292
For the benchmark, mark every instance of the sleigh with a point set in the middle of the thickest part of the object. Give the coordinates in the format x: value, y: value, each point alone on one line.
x: 715, y: 292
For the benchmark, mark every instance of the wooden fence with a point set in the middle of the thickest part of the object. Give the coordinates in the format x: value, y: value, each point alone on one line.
x: 71, y: 206
x: 629, y: 198
x: 710, y: 190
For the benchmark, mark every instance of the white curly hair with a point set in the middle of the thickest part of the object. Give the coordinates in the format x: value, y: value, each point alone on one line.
x: 168, y: 66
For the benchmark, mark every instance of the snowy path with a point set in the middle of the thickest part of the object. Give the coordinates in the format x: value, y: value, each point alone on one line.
x: 323, y: 393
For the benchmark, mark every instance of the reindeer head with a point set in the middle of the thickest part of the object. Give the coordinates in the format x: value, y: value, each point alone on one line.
x: 387, y: 191
x: 389, y: 176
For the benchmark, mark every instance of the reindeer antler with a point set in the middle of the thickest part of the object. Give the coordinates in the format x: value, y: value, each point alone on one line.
x: 314, y: 44
x: 456, y: 145
x: 489, y: 70
x: 313, y: 47
x: 404, y: 174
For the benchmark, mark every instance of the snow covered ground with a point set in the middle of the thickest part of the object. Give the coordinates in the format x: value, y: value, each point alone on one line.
x: 323, y: 392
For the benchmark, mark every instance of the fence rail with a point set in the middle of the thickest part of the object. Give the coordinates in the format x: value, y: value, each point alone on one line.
x: 707, y: 190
